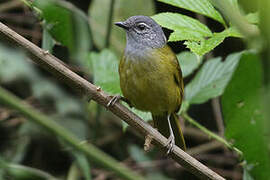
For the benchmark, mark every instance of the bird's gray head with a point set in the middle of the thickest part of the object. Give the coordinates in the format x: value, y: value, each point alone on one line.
x: 143, y: 32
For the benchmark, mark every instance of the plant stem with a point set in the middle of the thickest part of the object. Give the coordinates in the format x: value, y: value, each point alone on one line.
x: 109, y: 24
x: 30, y: 5
x: 212, y: 135
x: 89, y: 150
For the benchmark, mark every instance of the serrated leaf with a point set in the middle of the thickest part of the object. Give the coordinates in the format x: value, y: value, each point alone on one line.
x: 205, y: 45
x: 181, y: 23
x: 243, y: 115
x: 184, y: 34
x: 123, y: 9
x: 211, y: 80
x: 188, y: 62
x: 199, y: 6
x: 67, y: 25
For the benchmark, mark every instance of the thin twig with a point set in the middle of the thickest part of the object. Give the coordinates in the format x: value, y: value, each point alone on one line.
x: 218, y: 115
x: 54, y: 66
x: 212, y: 135
x: 109, y: 24
x: 204, y: 148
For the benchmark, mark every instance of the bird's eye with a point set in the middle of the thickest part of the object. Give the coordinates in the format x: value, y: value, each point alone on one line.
x: 141, y: 26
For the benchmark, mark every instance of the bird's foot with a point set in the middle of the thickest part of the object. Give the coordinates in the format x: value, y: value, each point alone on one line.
x: 118, y: 98
x: 170, y: 143
x: 114, y: 100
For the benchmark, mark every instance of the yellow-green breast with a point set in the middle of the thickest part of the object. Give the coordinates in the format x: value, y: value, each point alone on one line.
x: 152, y: 82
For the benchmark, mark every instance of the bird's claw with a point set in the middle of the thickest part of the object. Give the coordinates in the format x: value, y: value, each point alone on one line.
x: 170, y: 143
x: 114, y: 100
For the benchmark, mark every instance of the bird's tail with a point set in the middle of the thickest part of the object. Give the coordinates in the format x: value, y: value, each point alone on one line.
x: 161, y: 123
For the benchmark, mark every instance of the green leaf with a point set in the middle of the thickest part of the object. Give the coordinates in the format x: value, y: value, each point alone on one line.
x: 211, y: 80
x: 181, y: 23
x: 67, y: 25
x: 104, y: 66
x: 243, y: 115
x: 185, y: 34
x: 199, y: 6
x: 205, y: 45
x: 188, y: 62
x: 123, y: 9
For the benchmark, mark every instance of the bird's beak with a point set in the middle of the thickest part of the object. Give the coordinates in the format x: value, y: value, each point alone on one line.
x: 122, y: 25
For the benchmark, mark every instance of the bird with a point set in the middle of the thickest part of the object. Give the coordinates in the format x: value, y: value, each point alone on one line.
x: 151, y: 78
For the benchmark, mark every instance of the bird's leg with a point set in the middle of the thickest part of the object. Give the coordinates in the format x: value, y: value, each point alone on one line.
x: 118, y: 98
x: 171, y: 140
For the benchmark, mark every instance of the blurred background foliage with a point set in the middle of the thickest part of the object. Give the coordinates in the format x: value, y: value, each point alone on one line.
x: 223, y: 49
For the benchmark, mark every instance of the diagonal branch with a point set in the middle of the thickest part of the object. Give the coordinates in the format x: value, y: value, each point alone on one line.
x: 56, y: 67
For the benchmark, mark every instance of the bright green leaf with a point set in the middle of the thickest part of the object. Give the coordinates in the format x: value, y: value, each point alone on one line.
x: 104, y: 67
x: 205, y: 45
x: 123, y: 9
x: 211, y: 80
x: 199, y: 6
x: 188, y: 62
x: 184, y: 34
x: 243, y: 115
x: 67, y: 25
x: 181, y: 23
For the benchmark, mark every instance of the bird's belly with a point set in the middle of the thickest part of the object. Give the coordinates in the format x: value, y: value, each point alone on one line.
x: 150, y: 87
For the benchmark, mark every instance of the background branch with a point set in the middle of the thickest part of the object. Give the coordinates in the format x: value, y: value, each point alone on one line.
x: 56, y: 67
